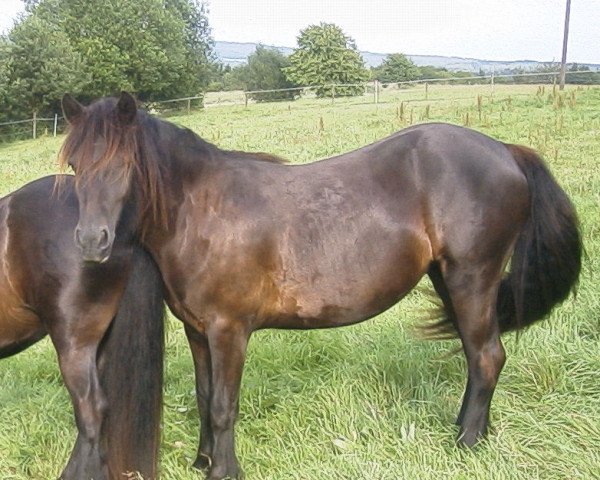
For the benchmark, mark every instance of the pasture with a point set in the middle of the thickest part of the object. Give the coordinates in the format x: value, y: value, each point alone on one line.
x: 372, y: 401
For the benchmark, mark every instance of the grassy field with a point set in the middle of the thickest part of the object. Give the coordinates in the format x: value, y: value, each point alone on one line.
x: 371, y: 401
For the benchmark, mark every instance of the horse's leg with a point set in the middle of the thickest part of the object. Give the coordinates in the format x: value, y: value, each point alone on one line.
x: 80, y: 376
x: 228, y: 341
x: 463, y: 406
x: 88, y: 455
x: 473, y: 293
x: 76, y: 340
x: 201, y: 355
x: 437, y: 279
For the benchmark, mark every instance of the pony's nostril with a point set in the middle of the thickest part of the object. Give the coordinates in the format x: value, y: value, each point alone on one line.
x: 78, y: 236
x: 103, y: 242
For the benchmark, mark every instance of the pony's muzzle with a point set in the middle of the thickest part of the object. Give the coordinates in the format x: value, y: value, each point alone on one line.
x: 95, y: 243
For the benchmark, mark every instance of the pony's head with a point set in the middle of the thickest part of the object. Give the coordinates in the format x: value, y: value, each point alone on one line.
x: 102, y: 147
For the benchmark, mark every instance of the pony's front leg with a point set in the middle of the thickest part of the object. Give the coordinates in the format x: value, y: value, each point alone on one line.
x: 80, y: 376
x: 202, y: 368
x: 227, y: 341
x: 76, y: 341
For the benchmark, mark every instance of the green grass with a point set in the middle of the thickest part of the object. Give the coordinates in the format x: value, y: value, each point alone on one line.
x: 370, y: 401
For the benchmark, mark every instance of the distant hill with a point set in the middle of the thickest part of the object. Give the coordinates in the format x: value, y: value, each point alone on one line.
x: 233, y: 53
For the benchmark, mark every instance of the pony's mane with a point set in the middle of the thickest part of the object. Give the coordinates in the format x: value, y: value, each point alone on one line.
x: 98, y: 121
x: 192, y: 137
x: 137, y: 150
x: 260, y: 156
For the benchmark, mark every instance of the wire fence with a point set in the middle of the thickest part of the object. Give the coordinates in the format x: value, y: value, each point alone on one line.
x: 373, y: 91
x: 378, y: 89
x: 31, y: 127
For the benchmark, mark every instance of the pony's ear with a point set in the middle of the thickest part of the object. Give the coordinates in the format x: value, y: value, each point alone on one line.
x: 71, y: 108
x: 126, y: 108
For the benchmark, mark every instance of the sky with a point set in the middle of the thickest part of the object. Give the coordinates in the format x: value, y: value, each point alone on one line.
x: 484, y: 29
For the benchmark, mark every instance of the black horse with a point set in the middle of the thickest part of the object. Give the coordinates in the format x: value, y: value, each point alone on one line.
x: 244, y: 242
x: 105, y: 317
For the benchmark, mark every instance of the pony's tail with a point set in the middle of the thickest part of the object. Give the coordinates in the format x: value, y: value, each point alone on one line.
x: 131, y: 374
x: 546, y: 260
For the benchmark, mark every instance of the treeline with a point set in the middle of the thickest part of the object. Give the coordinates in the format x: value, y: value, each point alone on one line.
x: 155, y: 48
x: 163, y: 49
x: 325, y: 56
x: 545, y: 73
x: 267, y: 69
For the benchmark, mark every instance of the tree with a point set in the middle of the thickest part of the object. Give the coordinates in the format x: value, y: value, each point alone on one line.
x: 5, y: 65
x: 39, y: 71
x: 588, y: 78
x: 429, y: 72
x: 200, y: 59
x: 155, y: 48
x: 326, y: 56
x: 226, y: 78
x: 396, y: 68
x: 264, y: 71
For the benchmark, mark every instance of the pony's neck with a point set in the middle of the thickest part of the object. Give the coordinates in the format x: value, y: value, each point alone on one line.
x: 172, y: 158
x: 186, y: 155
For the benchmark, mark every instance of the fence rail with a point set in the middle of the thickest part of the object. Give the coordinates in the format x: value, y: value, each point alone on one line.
x: 32, y: 129
x: 375, y: 87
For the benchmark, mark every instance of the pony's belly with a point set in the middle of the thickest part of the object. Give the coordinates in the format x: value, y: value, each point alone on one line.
x: 17, y: 322
x: 351, y: 289
x: 339, y: 308
x: 282, y: 281
x: 330, y: 316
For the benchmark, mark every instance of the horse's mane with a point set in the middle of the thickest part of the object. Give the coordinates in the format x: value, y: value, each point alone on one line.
x: 99, y: 120
x: 260, y: 156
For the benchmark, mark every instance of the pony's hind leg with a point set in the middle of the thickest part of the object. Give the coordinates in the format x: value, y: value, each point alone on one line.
x: 449, y: 321
x: 201, y: 355
x: 473, y: 291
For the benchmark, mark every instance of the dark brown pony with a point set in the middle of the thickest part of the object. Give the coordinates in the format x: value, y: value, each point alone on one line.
x: 245, y: 244
x: 45, y: 288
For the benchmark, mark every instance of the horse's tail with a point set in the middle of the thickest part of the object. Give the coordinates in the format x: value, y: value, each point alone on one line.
x: 131, y: 374
x: 546, y: 260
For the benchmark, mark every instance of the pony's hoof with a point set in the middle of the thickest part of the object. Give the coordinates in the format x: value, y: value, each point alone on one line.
x: 214, y: 475
x: 468, y: 439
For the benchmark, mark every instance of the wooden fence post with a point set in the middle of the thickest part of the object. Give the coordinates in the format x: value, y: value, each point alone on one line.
x: 34, y: 122
x: 55, y: 124
x: 376, y: 90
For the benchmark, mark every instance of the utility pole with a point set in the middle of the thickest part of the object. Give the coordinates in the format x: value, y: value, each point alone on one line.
x: 563, y: 63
